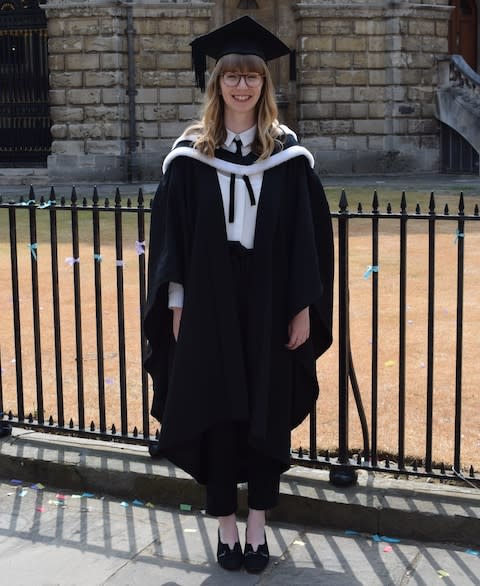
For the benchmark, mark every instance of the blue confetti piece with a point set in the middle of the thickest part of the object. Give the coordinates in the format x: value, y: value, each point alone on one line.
x: 472, y: 552
x: 88, y: 495
x: 389, y: 539
x: 376, y: 538
x: 351, y: 532
x: 15, y: 481
x: 124, y: 504
x: 23, y: 493
x: 138, y: 503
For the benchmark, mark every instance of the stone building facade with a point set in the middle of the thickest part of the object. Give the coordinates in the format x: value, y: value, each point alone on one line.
x: 122, y: 88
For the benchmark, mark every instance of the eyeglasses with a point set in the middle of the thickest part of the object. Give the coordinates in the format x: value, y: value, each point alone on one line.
x: 251, y: 79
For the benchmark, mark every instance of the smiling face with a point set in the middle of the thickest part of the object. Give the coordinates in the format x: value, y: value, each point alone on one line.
x: 240, y: 100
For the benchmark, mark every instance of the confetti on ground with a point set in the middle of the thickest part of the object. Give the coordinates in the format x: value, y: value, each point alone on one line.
x: 298, y: 542
x: 37, y: 486
x: 390, y: 363
x: 388, y: 548
x: 23, y: 492
x: 184, y: 507
x: 124, y: 504
x: 189, y: 530
x: 41, y: 509
x: 351, y: 532
x: 138, y: 503
x: 60, y: 497
x: 389, y: 539
x: 472, y: 552
x: 88, y: 495
x: 57, y: 503
x: 442, y: 573
x: 150, y: 506
x: 15, y: 482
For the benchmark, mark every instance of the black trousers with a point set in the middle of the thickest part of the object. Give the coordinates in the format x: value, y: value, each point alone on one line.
x: 227, y: 453
x: 227, y: 446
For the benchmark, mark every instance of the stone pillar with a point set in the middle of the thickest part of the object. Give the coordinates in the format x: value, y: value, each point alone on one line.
x: 367, y: 76
x: 89, y: 80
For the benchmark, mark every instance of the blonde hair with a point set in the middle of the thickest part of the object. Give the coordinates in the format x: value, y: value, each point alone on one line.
x: 210, y: 129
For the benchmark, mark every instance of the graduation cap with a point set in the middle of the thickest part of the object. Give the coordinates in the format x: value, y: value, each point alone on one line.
x: 243, y: 36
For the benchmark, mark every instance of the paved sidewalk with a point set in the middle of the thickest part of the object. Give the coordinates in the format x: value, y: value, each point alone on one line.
x: 52, y: 538
x: 76, y: 512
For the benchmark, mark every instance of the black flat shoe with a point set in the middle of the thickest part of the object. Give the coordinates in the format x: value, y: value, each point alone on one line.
x: 256, y: 561
x: 229, y: 559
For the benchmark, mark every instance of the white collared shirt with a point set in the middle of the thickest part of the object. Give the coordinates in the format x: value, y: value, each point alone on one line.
x: 242, y: 229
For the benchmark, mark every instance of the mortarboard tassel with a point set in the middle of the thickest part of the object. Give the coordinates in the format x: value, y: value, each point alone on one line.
x: 199, y: 64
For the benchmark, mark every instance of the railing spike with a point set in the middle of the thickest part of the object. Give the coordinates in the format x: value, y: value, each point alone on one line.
x: 475, y: 210
x: 30, y: 418
x: 118, y: 198
x: 343, y: 203
x: 359, y: 208
x: 300, y: 452
x: 442, y: 468
x: 387, y: 462
x: 359, y: 459
x: 10, y: 415
x: 31, y: 193
x: 415, y: 466
x: 135, y: 431
x: 114, y: 429
x: 431, y: 205
x: 418, y: 209
x: 140, y: 199
x: 71, y: 424
x: 403, y: 203
x: 129, y: 203
x: 73, y: 197
x: 62, y: 200
x: 107, y: 202
x: 92, y: 426
x: 53, y: 197
x: 461, y: 204
x: 471, y: 472
x: 389, y: 208
x: 157, y: 434
x: 375, y: 202
x: 327, y: 456
x: 95, y: 196
x: 446, y: 210
x: 50, y: 420
x: 42, y: 200
x: 84, y: 202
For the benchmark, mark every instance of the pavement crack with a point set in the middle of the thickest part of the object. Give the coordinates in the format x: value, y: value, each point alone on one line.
x: 411, y: 569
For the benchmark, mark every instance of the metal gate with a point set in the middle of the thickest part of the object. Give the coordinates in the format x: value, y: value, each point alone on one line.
x: 458, y: 155
x: 24, y: 113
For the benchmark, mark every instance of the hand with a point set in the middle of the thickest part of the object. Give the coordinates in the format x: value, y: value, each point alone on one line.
x: 299, y: 329
x: 177, y: 317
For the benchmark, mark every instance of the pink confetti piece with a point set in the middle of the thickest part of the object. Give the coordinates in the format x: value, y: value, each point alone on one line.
x: 388, y: 548
x: 40, y: 509
x: 60, y: 497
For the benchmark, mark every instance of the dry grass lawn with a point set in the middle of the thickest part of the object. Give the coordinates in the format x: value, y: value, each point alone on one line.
x: 327, y: 409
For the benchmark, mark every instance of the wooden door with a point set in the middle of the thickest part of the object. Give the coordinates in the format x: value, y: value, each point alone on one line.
x: 463, y: 31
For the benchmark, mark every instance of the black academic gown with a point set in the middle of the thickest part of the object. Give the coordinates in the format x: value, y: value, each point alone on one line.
x: 205, y: 377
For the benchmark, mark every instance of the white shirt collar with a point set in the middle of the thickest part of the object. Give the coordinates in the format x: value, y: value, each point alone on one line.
x: 247, y: 136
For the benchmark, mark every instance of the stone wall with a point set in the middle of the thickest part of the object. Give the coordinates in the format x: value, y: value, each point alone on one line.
x: 368, y: 73
x: 364, y: 94
x: 89, y: 98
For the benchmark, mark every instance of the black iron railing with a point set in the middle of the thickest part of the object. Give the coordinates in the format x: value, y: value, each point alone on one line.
x: 25, y: 137
x: 71, y: 342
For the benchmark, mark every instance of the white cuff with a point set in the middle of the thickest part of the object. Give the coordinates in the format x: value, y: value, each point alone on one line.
x: 175, y: 295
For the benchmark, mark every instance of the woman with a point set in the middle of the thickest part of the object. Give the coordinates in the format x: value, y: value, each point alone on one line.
x: 240, y: 289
